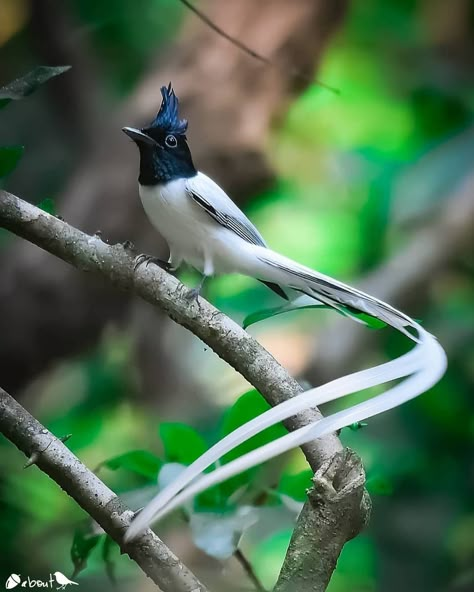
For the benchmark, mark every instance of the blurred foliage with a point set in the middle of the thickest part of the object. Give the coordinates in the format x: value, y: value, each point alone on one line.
x: 358, y: 173
x: 126, y: 35
x: 9, y: 157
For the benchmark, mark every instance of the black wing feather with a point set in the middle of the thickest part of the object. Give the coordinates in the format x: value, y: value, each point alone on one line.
x: 245, y: 232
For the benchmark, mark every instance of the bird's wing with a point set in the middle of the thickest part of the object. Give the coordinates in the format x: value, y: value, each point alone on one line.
x: 222, y: 209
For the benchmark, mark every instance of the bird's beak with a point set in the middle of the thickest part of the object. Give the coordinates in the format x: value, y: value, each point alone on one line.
x: 138, y: 136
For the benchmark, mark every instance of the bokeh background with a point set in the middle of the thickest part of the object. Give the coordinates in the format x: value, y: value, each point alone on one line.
x: 373, y: 185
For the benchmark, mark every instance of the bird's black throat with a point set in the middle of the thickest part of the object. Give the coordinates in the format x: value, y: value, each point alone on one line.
x: 159, y: 165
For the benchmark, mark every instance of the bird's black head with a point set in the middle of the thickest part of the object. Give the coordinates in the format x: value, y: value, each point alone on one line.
x: 164, y: 151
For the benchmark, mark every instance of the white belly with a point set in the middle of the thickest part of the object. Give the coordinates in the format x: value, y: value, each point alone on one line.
x: 192, y: 235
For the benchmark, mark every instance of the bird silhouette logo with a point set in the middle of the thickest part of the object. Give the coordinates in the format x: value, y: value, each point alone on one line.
x: 63, y: 581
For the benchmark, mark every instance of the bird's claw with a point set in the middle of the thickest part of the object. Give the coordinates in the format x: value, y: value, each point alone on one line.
x: 147, y: 259
x: 192, y: 295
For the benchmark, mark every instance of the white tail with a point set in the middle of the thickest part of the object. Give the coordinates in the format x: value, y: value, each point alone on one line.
x: 422, y: 367
x: 281, y: 270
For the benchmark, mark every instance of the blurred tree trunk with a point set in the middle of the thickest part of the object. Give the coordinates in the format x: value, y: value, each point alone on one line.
x: 231, y: 101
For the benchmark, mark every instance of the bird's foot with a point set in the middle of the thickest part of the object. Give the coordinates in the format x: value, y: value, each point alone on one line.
x: 193, y: 294
x: 147, y: 259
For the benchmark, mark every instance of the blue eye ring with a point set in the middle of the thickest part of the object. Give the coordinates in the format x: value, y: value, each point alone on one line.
x: 171, y: 141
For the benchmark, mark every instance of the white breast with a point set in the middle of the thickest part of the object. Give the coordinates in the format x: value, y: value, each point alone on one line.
x: 192, y: 235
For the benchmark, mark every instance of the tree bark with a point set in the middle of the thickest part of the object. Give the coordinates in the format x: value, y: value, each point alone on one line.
x: 325, y: 524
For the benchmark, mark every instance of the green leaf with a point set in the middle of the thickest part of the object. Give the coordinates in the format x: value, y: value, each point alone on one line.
x: 370, y: 322
x: 247, y: 407
x: 181, y: 443
x: 27, y: 84
x: 83, y: 543
x: 304, y: 302
x: 47, y: 205
x: 9, y: 157
x: 141, y: 462
x: 295, y: 485
x: 262, y: 315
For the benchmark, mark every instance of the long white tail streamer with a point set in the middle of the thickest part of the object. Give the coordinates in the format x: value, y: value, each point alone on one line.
x: 422, y: 367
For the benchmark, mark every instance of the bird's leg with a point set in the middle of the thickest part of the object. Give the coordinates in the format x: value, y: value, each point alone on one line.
x: 207, y: 271
x: 194, y: 293
x: 147, y: 259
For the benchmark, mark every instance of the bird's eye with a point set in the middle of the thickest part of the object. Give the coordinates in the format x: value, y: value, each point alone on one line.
x: 171, y: 141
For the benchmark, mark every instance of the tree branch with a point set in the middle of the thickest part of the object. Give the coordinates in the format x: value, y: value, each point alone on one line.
x: 325, y: 524
x: 224, y: 336
x: 308, y: 78
x: 116, y: 263
x: 93, y: 496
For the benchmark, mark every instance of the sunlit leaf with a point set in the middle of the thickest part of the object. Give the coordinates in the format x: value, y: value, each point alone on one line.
x: 181, y: 443
x: 9, y: 157
x: 22, y: 87
x: 141, y: 462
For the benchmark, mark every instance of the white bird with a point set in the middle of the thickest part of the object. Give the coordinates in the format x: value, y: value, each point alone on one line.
x: 63, y: 581
x: 204, y: 228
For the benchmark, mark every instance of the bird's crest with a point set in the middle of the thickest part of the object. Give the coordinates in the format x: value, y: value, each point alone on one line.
x: 167, y: 117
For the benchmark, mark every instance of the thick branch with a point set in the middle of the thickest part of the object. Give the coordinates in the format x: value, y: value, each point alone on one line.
x: 226, y: 338
x: 93, y: 496
x: 116, y: 264
x: 325, y: 524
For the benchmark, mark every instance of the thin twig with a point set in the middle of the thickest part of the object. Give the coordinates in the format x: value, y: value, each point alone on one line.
x: 247, y: 566
x: 294, y: 72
